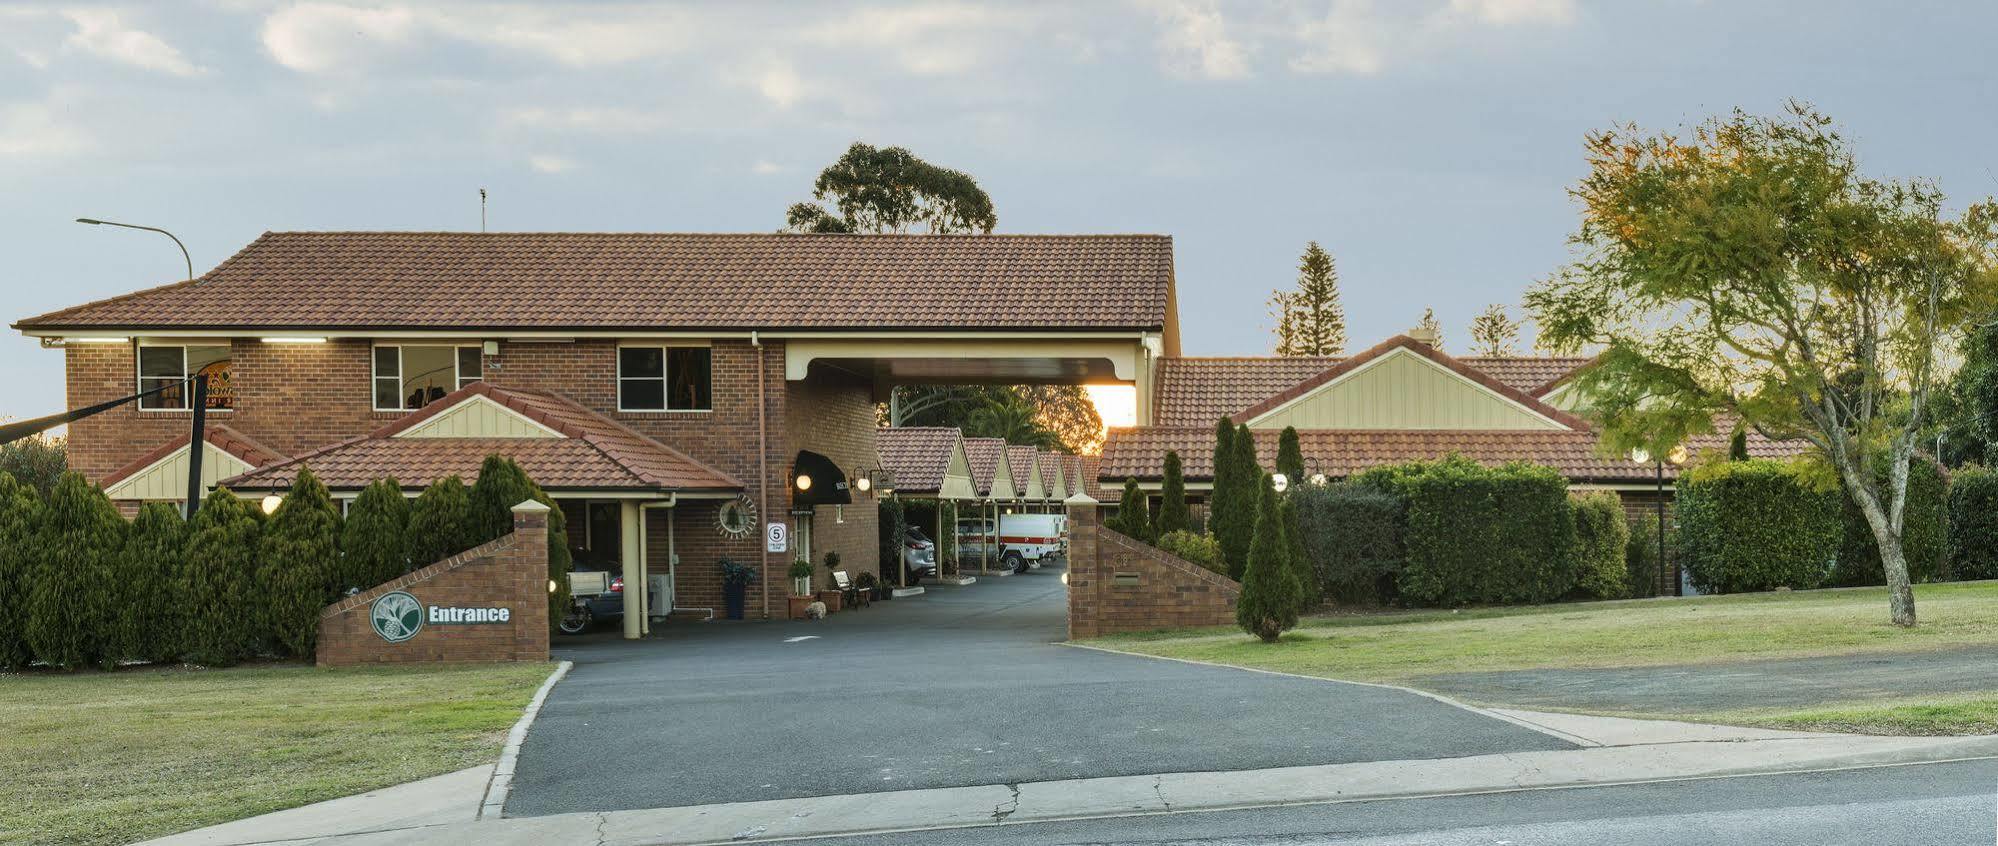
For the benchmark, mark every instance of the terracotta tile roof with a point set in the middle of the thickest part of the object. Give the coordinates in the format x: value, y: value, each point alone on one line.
x: 534, y: 280
x: 984, y: 454
x: 1198, y: 391
x: 1426, y: 351
x: 596, y: 453
x: 1050, y: 467
x: 1091, y: 470
x: 919, y: 456
x: 1020, y: 459
x: 218, y: 434
x: 1140, y: 453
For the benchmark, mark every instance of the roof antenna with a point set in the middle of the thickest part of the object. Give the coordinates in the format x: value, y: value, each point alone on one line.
x: 482, y: 210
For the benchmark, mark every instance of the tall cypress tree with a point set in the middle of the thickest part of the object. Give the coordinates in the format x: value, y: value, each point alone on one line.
x: 70, y: 610
x: 1134, y: 517
x: 374, y: 540
x: 1300, y: 565
x: 1290, y: 456
x: 20, y: 515
x: 296, y: 573
x: 440, y: 522
x: 501, y: 486
x: 1737, y: 446
x: 1270, y: 594
x: 223, y: 624
x: 1231, y: 510
x: 152, y: 585
x: 1172, y: 497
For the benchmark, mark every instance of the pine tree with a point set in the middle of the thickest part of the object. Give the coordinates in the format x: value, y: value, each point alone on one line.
x: 501, y: 486
x: 1270, y: 595
x: 20, y: 516
x: 70, y: 612
x: 1430, y: 326
x: 1290, y: 456
x: 374, y: 540
x: 1737, y: 446
x: 1134, y: 515
x: 1310, y: 319
x: 1172, y: 497
x: 151, y: 582
x: 440, y: 522
x: 1493, y: 333
x: 223, y: 622
x: 296, y: 571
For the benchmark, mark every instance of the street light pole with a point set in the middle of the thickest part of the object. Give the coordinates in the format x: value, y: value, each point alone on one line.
x: 176, y: 240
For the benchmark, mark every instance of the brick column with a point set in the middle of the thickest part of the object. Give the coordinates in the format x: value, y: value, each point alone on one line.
x: 1085, y: 578
x: 529, y: 561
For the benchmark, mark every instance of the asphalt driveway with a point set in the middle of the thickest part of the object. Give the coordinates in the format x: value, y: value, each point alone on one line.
x: 961, y: 686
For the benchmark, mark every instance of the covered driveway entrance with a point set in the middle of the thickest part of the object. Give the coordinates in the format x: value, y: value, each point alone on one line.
x: 963, y: 686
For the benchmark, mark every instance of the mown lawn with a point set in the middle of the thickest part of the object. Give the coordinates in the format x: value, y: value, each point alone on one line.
x: 91, y: 757
x: 1402, y: 647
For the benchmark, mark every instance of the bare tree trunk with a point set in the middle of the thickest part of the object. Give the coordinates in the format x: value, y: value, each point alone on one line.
x: 1900, y: 591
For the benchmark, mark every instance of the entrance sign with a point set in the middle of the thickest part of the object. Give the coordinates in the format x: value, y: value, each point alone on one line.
x: 448, y: 616
x: 776, y: 537
x: 396, y: 616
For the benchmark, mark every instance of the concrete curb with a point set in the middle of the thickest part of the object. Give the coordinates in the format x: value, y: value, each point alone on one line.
x: 1557, y: 734
x: 494, y: 803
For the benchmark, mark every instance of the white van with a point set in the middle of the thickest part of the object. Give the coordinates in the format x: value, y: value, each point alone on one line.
x: 1024, y: 539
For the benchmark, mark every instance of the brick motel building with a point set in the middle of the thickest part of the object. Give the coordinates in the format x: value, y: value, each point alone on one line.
x: 673, y: 392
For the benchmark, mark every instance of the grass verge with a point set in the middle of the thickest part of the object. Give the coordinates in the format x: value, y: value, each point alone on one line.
x: 1402, y: 647
x: 92, y: 758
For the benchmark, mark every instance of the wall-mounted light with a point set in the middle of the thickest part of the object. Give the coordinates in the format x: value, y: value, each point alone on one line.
x: 803, y: 482
x: 862, y: 482
x: 551, y: 586
x: 294, y: 339
x: 1279, y: 481
x: 489, y: 348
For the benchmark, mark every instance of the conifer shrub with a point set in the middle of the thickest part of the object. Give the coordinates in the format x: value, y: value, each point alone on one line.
x: 20, y: 514
x: 374, y: 539
x: 1173, y: 515
x: 152, y: 585
x: 224, y: 620
x: 1271, y: 596
x: 295, y: 573
x: 440, y: 522
x: 1134, y: 517
x: 1231, y: 503
x: 501, y: 485
x: 71, y: 607
x: 1290, y: 456
x: 1756, y: 525
x: 1973, y: 524
x: 1602, y: 540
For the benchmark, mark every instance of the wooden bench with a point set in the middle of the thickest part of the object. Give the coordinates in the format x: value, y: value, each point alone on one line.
x: 850, y: 593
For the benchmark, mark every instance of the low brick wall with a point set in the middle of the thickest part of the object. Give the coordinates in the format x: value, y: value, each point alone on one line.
x: 1116, y: 584
x: 488, y: 603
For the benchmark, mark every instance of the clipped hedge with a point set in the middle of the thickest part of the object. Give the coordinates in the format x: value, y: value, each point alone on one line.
x: 1756, y: 525
x: 1352, y: 539
x: 1924, y: 530
x: 1640, y: 558
x: 1973, y: 524
x: 1200, y: 549
x: 1477, y: 534
x: 1602, y: 540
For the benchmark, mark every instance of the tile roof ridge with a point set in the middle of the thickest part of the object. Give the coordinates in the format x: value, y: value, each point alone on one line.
x: 301, y: 459
x: 619, y: 457
x: 585, y: 233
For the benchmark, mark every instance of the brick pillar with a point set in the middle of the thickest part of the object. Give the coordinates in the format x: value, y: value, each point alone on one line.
x: 1084, y: 566
x: 528, y: 561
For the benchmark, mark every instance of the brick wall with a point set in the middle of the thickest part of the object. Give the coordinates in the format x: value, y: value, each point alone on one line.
x: 1116, y: 584
x: 296, y: 397
x: 510, y: 572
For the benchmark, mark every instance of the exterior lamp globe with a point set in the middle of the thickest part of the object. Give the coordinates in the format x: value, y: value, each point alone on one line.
x: 271, y: 503
x: 1319, y: 479
x: 862, y: 483
x: 551, y: 586
x: 804, y: 482
x: 1640, y: 456
x: 1279, y: 481
x: 1677, y: 456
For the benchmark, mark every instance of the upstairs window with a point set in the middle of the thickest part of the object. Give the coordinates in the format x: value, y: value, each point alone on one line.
x: 664, y: 379
x: 411, y: 376
x: 169, y: 366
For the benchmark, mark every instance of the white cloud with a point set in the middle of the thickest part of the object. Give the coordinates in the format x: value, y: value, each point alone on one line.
x: 601, y: 120
x: 38, y: 130
x: 99, y: 33
x: 765, y: 167
x: 1507, y: 12
x: 1195, y: 41
x: 551, y: 164
x: 779, y: 84
x: 1349, y: 39
x: 319, y: 37
x: 925, y: 38
x: 1358, y: 37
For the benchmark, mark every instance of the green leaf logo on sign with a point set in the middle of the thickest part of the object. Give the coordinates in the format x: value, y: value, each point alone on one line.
x: 396, y: 616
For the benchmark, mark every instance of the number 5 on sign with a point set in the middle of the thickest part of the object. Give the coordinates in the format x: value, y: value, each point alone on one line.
x: 776, y: 537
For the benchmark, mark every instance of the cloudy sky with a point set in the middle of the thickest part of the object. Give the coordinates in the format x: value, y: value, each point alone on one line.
x: 1426, y: 143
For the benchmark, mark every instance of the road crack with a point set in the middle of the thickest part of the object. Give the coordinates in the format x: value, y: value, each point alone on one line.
x: 1005, y: 809
x: 1158, y: 787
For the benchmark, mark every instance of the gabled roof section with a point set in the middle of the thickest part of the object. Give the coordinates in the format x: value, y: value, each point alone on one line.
x: 1351, y: 365
x: 1024, y: 462
x: 217, y: 435
x: 1199, y: 391
x: 328, y: 281
x: 926, y: 460
x: 1052, y: 480
x: 590, y: 451
x: 990, y: 472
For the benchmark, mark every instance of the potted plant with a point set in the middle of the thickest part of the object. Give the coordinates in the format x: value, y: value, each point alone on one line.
x: 871, y: 584
x: 832, y: 596
x: 801, y: 587
x: 735, y: 585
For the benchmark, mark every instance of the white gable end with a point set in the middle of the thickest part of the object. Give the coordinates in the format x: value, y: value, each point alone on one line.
x: 166, y: 479
x: 1404, y: 390
x: 478, y: 417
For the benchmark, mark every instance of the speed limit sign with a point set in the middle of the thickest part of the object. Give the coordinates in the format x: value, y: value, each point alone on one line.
x: 776, y: 537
